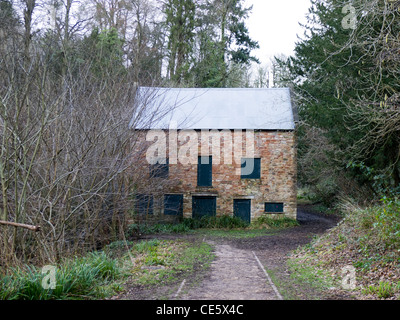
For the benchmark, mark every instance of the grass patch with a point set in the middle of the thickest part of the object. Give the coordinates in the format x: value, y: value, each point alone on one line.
x: 317, y: 276
x: 275, y: 222
x: 158, y: 262
x: 158, y: 228
x: 98, y: 275
x: 367, y: 239
x: 79, y: 278
x: 235, y: 233
x: 301, y: 284
x: 383, y: 290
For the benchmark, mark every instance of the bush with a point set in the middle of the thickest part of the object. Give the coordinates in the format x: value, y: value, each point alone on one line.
x: 222, y: 222
x: 207, y: 222
x: 192, y: 224
x: 384, y: 223
x: 134, y: 231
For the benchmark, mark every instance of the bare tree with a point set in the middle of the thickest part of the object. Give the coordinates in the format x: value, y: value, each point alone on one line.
x: 376, y: 110
x: 71, y: 153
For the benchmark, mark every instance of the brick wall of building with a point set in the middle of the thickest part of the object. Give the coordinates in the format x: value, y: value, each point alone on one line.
x: 276, y: 185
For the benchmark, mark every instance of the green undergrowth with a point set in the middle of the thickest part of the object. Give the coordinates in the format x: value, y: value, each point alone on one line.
x: 102, y: 274
x: 157, y: 262
x: 224, y: 226
x: 275, y: 222
x: 188, y: 225
x: 367, y: 240
x: 235, y: 233
x: 77, y: 278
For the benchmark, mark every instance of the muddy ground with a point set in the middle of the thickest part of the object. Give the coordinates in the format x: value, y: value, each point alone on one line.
x: 243, y: 267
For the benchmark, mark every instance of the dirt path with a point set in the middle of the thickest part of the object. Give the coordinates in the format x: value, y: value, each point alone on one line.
x: 251, y: 268
x: 240, y: 270
x: 235, y: 274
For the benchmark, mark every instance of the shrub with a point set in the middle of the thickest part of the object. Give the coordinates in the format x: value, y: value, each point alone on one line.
x: 222, y: 222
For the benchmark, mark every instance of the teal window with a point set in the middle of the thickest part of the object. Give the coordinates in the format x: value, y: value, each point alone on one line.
x: 273, y: 207
x: 173, y: 205
x: 204, y: 172
x: 251, y: 168
x: 204, y: 206
x: 144, y: 204
x: 160, y: 170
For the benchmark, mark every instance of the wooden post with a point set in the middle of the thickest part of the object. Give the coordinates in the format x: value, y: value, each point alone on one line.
x: 20, y: 225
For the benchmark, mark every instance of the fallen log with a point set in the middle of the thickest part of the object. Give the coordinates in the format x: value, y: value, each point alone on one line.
x: 20, y: 225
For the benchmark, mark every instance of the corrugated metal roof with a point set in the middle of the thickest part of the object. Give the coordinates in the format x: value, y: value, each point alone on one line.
x: 233, y: 108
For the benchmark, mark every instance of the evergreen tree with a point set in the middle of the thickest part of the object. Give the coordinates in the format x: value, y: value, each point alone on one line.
x: 223, y: 42
x: 180, y: 19
x: 8, y: 17
x: 340, y: 80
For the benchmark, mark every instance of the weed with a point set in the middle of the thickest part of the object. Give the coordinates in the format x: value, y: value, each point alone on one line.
x: 153, y: 259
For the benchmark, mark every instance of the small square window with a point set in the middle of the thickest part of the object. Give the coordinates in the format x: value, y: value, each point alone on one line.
x: 144, y: 204
x: 273, y: 207
x: 160, y: 170
x: 173, y: 205
x: 204, y: 206
x: 251, y: 168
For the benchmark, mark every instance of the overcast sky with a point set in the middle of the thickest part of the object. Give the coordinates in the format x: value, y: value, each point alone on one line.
x: 275, y: 25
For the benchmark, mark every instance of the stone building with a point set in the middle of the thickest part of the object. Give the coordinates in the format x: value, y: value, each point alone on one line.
x: 225, y: 151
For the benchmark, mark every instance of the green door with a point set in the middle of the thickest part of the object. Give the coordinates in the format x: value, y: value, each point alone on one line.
x: 242, y: 209
x: 204, y: 206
